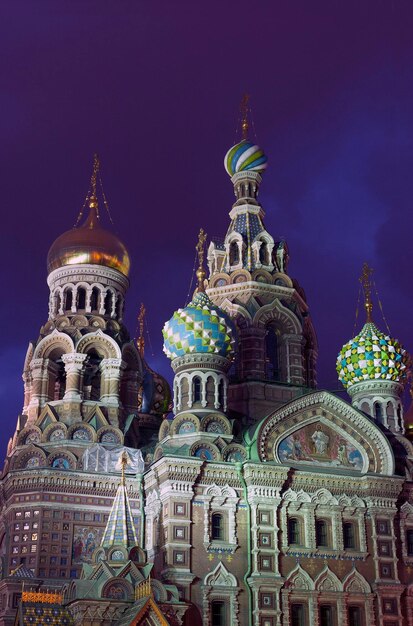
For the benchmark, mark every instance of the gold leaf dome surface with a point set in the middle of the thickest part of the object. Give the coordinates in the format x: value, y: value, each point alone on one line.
x: 89, y: 244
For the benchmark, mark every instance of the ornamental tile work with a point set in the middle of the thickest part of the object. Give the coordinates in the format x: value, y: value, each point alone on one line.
x: 372, y: 355
x: 245, y: 156
x: 201, y: 327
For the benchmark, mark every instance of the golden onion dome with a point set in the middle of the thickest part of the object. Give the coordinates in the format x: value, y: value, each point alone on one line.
x: 89, y: 244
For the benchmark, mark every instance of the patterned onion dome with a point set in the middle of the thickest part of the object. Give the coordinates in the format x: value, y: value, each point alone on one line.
x: 198, y: 328
x: 156, y: 396
x: 372, y: 355
x: 91, y: 244
x: 245, y: 156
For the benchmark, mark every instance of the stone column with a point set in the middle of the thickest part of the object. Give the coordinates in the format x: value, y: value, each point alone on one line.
x: 73, y: 367
x: 109, y: 388
x: 38, y: 373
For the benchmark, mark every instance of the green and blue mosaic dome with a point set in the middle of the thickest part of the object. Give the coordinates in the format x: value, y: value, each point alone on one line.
x: 245, y: 156
x: 200, y: 327
x: 372, y: 355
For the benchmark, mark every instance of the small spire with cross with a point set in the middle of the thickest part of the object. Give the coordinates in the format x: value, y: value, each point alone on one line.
x: 244, y: 108
x: 200, y: 248
x: 93, y: 201
x: 365, y: 280
x: 123, y: 463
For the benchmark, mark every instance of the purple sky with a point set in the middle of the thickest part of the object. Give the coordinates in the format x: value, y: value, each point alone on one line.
x: 154, y: 87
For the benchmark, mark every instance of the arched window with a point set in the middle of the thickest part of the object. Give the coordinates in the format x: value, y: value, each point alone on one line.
x: 57, y: 301
x: 221, y: 394
x: 218, y: 613
x: 60, y: 381
x: 321, y: 533
x: 355, y: 616
x: 234, y: 253
x: 349, y: 536
x: 217, y: 527
x: 92, y: 376
x: 68, y: 299
x: 294, y: 531
x: 108, y: 303
x: 378, y: 411
x: 81, y: 298
x: 94, y: 300
x: 196, y: 389
x: 264, y: 253
x: 272, y: 360
x: 118, y: 306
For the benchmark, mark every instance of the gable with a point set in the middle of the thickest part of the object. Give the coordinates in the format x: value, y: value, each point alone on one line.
x: 321, y: 430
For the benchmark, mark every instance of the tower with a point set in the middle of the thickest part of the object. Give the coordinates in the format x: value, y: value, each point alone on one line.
x: 81, y: 378
x: 248, y: 278
x: 373, y: 368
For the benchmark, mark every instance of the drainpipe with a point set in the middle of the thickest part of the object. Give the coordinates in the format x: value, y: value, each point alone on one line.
x: 239, y: 468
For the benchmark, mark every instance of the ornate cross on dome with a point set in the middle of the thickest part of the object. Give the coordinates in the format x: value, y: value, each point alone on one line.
x: 140, y: 342
x: 200, y: 248
x: 366, y: 284
x: 244, y: 108
x: 93, y: 180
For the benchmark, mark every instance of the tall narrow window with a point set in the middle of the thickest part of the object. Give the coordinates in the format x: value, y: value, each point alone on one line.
x: 217, y: 527
x: 197, y: 389
x: 272, y: 360
x: 81, y: 298
x: 349, y: 536
x: 221, y: 395
x: 108, y: 303
x: 294, y: 531
x: 68, y: 299
x: 118, y: 306
x: 321, y: 533
x: 409, y: 541
x: 326, y: 615
x: 94, y: 300
x: 264, y: 253
x: 218, y: 613
x: 234, y: 253
x: 298, y: 616
x: 355, y: 616
x: 378, y: 411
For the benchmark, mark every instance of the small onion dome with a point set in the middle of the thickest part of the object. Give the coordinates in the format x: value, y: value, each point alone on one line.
x: 372, y: 355
x: 245, y: 156
x: 89, y: 244
x: 198, y: 328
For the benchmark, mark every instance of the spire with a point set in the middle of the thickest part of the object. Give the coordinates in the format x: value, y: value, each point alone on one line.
x: 140, y: 341
x: 244, y: 108
x: 120, y: 529
x: 200, y: 248
x: 366, y: 284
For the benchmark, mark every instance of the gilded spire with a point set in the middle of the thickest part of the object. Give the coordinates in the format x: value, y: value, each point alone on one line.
x: 140, y: 342
x: 200, y: 248
x: 244, y: 108
x: 366, y: 284
x: 93, y: 201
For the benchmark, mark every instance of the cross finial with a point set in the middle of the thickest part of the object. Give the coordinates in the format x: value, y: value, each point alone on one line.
x: 93, y: 203
x: 200, y: 248
x: 244, y: 115
x: 140, y: 342
x: 366, y: 284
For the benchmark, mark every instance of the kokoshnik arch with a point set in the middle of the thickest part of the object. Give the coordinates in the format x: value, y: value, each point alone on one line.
x: 253, y: 498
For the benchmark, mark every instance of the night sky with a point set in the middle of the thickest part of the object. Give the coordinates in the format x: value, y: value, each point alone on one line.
x: 154, y: 87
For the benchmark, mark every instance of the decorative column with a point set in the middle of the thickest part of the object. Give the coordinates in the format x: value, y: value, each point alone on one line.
x: 109, y: 388
x: 73, y: 368
x: 38, y: 374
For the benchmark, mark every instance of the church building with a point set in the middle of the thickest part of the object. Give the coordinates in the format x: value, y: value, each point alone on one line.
x: 243, y: 496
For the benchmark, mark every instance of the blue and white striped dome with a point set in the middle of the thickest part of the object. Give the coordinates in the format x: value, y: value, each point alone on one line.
x: 245, y: 156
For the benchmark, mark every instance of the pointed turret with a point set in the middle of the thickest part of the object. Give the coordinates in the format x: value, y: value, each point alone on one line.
x: 120, y: 529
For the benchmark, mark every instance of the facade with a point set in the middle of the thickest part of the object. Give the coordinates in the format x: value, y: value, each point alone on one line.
x: 259, y: 501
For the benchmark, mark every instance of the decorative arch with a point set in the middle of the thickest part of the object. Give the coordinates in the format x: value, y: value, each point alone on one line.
x: 104, y: 345
x: 29, y: 356
x: 55, y: 341
x: 299, y: 580
x: 355, y: 583
x: 117, y: 589
x: 276, y: 312
x: 344, y: 421
x: 220, y: 577
x: 327, y: 581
